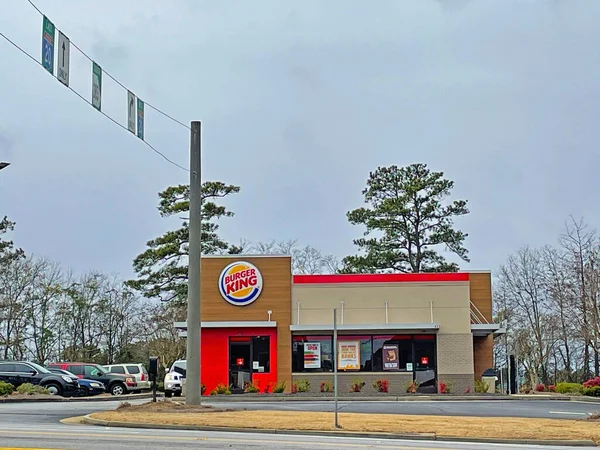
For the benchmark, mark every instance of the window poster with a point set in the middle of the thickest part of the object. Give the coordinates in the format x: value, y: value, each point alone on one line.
x: 390, y: 357
x: 312, y: 355
x: 348, y: 355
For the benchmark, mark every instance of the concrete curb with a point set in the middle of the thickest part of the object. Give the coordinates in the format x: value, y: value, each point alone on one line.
x: 54, y: 399
x: 404, y: 436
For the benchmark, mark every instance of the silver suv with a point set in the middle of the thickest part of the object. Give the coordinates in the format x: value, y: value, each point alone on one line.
x: 136, y: 371
x: 174, y: 378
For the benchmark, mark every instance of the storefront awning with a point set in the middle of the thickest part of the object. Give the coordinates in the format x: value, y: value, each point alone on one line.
x: 394, y: 327
x: 246, y: 324
x: 485, y: 329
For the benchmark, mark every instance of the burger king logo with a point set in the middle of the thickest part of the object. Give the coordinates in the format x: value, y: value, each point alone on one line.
x: 240, y: 283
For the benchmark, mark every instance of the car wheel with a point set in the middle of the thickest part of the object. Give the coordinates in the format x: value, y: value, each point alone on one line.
x: 178, y: 394
x: 168, y: 394
x: 83, y: 391
x: 54, y: 388
x: 117, y: 389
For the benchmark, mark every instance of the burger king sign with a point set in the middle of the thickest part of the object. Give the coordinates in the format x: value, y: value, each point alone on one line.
x: 240, y: 283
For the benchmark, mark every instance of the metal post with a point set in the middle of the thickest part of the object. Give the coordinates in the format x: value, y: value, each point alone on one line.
x: 335, y: 371
x: 193, y: 372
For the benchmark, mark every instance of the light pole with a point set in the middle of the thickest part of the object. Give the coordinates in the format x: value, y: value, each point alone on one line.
x: 4, y: 165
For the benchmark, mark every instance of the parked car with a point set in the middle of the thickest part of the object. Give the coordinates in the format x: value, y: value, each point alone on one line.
x: 173, y: 382
x: 137, y: 371
x: 21, y: 372
x: 87, y: 388
x: 116, y: 384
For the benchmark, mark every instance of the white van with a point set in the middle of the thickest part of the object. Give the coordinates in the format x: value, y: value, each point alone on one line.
x: 173, y: 382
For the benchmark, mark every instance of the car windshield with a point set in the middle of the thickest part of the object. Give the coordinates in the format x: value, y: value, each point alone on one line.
x: 39, y: 368
x: 180, y: 365
x: 101, y: 370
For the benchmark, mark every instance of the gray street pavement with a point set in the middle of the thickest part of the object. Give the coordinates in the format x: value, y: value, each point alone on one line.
x: 91, y: 438
x: 510, y: 408
x: 27, y: 425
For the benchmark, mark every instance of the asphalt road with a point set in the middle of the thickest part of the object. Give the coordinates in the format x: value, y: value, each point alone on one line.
x: 36, y: 425
x: 92, y: 438
x: 496, y: 408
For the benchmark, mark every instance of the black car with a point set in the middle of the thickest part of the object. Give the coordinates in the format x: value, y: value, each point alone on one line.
x: 21, y: 372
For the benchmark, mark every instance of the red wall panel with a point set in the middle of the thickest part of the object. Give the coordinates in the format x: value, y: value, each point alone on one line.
x: 215, y: 355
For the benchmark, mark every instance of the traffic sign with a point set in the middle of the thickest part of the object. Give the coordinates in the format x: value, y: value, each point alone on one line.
x: 140, y: 119
x: 131, y: 111
x: 96, y: 86
x: 64, y: 53
x: 48, y: 45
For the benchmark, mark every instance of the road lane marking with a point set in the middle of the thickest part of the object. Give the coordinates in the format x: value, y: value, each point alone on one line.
x: 228, y: 440
x: 569, y: 413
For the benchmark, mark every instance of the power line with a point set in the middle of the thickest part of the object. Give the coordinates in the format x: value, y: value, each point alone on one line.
x: 114, y: 79
x: 90, y: 103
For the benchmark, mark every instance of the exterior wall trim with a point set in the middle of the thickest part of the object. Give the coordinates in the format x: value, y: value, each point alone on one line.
x: 242, y: 256
x: 369, y: 327
x: 248, y: 324
x: 382, y: 278
x: 484, y: 329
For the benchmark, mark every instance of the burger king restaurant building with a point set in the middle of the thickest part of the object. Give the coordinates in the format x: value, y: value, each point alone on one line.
x: 262, y: 324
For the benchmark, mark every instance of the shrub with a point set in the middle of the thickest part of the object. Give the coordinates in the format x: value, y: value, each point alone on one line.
x: 444, y: 388
x: 214, y: 392
x: 592, y: 382
x: 303, y: 385
x: 593, y: 391
x: 357, y: 385
x: 412, y: 387
x: 268, y: 388
x: 6, y: 389
x: 540, y: 388
x: 32, y: 389
x: 202, y: 389
x: 325, y: 386
x: 551, y: 388
x: 468, y: 390
x: 251, y: 388
x: 569, y: 388
x: 382, y: 386
x: 222, y: 389
x: 279, y: 387
x: 294, y: 388
x: 481, y: 387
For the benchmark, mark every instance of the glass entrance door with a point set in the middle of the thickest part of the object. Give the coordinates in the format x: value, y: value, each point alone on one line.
x: 240, y: 365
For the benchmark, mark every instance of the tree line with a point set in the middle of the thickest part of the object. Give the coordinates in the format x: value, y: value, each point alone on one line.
x: 547, y: 297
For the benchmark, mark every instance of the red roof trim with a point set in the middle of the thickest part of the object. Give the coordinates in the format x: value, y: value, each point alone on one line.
x: 382, y: 278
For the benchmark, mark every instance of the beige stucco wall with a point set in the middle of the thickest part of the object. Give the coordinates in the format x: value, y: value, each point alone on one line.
x: 365, y: 304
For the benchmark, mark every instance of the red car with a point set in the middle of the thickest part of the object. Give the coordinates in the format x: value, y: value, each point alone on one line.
x: 115, y: 383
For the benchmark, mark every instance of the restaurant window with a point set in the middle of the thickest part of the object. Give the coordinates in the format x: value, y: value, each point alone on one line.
x: 261, y: 354
x: 392, y: 353
x: 365, y: 353
x: 312, y: 354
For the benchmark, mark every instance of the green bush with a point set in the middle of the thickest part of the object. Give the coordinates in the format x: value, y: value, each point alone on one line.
x: 279, y: 387
x: 32, y: 389
x: 481, y: 387
x: 593, y: 391
x: 303, y: 385
x: 569, y: 388
x: 222, y: 389
x: 6, y: 389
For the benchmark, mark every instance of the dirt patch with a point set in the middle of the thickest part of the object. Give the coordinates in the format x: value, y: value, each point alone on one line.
x: 482, y: 427
x: 167, y: 407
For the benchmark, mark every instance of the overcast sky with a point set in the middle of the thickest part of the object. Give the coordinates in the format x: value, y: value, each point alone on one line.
x: 299, y: 101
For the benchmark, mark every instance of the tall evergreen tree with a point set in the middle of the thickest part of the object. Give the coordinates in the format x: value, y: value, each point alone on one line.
x: 406, y: 220
x: 163, y: 268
